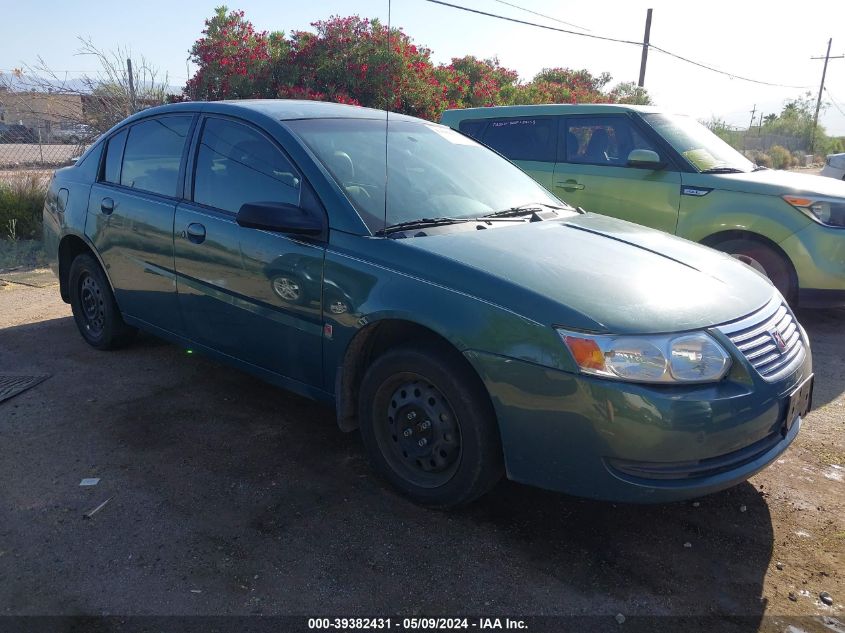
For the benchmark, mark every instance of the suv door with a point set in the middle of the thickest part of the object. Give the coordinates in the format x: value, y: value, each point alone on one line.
x: 530, y: 142
x: 130, y: 216
x: 592, y: 172
x: 248, y: 293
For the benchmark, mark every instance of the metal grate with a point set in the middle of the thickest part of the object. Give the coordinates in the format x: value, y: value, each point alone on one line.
x: 12, y: 385
x: 770, y: 339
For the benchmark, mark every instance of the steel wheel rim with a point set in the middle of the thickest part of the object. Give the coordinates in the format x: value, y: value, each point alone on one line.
x: 93, y: 305
x: 417, y: 431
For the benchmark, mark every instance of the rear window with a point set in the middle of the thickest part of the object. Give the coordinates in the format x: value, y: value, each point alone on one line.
x: 153, y: 154
x: 114, y: 156
x: 523, y: 138
x: 472, y: 128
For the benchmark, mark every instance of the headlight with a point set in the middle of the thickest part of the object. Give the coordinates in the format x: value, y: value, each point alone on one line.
x: 684, y: 358
x: 827, y: 211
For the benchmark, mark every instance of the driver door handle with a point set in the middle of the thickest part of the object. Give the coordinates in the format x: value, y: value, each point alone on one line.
x: 107, y: 206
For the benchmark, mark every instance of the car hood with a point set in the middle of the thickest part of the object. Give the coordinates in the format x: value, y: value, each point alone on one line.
x: 775, y: 182
x: 595, y: 272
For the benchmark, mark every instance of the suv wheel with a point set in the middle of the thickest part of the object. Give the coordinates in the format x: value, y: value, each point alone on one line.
x: 429, y: 427
x: 766, y: 260
x: 94, y: 308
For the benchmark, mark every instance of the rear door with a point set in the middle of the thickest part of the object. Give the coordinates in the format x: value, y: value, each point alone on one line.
x: 530, y: 142
x: 251, y: 294
x: 592, y: 172
x: 130, y: 216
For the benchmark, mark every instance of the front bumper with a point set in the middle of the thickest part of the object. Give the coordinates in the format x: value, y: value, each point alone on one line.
x: 818, y: 254
x: 636, y: 443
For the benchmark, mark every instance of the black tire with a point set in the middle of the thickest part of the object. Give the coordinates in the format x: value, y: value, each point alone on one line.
x: 94, y: 308
x: 774, y: 265
x: 409, y: 387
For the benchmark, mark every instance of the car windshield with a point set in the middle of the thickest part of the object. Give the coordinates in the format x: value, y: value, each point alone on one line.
x: 702, y: 148
x: 434, y: 172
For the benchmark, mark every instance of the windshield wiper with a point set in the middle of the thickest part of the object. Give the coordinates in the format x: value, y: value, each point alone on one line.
x: 723, y: 170
x: 420, y: 223
x: 759, y: 168
x: 523, y: 209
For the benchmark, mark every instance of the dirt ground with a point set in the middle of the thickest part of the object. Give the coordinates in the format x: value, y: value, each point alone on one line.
x: 228, y: 496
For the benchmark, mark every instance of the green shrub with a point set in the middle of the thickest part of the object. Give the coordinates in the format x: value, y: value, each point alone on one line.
x: 21, y: 203
x: 781, y: 157
x: 763, y: 159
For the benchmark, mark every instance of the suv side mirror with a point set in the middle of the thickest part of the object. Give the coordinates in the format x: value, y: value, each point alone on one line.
x: 279, y: 217
x: 645, y: 159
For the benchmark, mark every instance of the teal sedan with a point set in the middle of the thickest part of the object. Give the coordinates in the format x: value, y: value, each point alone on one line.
x: 470, y: 324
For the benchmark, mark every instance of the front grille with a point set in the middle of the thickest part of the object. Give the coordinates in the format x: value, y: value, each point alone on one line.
x: 770, y: 339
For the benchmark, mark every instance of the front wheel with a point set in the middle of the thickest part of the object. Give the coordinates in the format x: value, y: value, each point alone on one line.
x: 765, y: 260
x: 94, y: 308
x: 429, y: 427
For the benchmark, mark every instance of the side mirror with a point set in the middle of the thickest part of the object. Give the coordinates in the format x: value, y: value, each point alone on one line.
x: 279, y: 217
x: 645, y: 159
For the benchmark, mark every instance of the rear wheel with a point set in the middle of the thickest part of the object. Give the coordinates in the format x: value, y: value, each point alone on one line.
x: 94, y: 308
x: 429, y: 427
x: 765, y: 260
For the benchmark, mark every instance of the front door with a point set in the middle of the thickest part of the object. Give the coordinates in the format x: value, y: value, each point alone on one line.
x: 251, y: 294
x: 130, y: 217
x: 592, y: 172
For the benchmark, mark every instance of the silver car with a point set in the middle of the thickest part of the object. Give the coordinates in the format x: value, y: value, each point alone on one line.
x: 834, y: 166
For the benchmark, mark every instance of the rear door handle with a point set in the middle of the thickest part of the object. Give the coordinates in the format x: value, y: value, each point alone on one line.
x: 107, y: 206
x: 570, y: 185
x: 195, y: 233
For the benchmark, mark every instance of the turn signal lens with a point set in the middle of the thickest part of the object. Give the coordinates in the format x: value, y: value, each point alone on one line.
x: 826, y: 211
x: 586, y: 352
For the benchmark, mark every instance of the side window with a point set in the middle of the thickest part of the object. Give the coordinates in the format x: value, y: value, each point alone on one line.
x: 114, y: 156
x: 601, y: 140
x: 472, y: 128
x: 153, y: 154
x: 236, y: 164
x: 523, y: 138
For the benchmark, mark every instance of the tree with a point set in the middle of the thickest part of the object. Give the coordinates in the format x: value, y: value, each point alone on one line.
x: 234, y: 60
x: 363, y: 62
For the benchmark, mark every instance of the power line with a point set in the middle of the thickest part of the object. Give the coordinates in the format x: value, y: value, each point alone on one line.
x: 617, y: 40
x: 542, y: 15
x: 534, y: 24
x: 833, y: 101
x: 724, y: 72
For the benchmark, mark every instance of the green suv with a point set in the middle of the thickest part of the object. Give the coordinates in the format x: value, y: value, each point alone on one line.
x: 671, y: 173
x: 469, y: 323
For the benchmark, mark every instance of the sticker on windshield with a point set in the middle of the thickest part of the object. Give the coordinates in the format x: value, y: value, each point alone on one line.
x: 701, y: 158
x: 450, y: 135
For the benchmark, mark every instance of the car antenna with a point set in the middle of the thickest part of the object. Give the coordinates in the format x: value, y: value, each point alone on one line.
x: 388, y: 100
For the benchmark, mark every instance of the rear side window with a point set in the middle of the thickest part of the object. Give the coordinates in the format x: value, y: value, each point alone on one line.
x: 602, y: 140
x: 237, y: 164
x: 114, y: 156
x: 153, y: 154
x: 473, y: 128
x: 523, y: 138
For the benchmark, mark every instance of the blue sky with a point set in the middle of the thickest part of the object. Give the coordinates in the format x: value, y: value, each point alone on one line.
x: 772, y: 41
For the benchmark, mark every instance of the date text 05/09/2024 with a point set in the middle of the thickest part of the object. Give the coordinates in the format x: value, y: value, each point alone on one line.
x: 412, y: 624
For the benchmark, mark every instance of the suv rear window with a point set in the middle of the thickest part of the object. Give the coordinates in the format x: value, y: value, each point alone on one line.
x: 523, y: 138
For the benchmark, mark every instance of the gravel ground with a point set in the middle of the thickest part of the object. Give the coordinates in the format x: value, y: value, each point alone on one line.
x: 228, y: 496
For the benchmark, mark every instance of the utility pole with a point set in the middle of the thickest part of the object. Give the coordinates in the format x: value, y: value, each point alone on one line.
x: 826, y: 58
x: 132, y: 105
x: 646, y: 38
x: 753, y: 112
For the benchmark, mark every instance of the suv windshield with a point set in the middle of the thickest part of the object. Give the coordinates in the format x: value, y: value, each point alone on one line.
x: 434, y: 172
x: 702, y: 148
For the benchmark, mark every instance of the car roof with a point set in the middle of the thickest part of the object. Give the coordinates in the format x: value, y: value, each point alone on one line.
x: 279, y: 109
x: 543, y: 109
